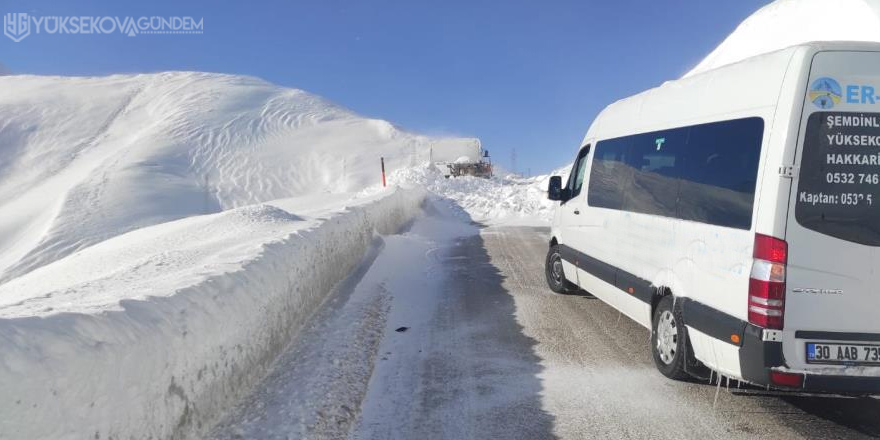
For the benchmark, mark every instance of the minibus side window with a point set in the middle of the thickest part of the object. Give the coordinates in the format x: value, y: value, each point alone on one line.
x: 608, y: 174
x: 705, y: 173
x: 721, y: 172
x: 655, y: 172
x: 578, y: 172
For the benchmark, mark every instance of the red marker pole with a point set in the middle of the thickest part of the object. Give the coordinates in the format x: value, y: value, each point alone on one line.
x: 383, y: 171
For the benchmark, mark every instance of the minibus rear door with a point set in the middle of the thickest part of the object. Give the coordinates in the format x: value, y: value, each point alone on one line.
x: 832, y: 301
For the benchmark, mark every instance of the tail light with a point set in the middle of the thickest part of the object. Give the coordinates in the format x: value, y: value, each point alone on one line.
x: 767, y: 282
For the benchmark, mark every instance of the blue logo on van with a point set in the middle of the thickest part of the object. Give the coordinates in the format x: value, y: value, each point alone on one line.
x: 825, y: 93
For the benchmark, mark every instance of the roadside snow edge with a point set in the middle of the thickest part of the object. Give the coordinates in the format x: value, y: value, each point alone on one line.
x: 167, y: 367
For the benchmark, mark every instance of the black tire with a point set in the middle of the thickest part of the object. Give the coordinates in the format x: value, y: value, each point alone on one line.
x: 669, y: 341
x: 554, y: 273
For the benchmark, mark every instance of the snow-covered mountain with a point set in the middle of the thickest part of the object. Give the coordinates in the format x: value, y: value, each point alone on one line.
x: 785, y: 23
x: 86, y: 159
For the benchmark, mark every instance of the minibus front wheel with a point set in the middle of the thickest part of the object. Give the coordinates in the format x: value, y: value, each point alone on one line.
x: 554, y: 273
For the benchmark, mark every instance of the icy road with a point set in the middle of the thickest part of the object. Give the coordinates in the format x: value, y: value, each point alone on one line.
x: 448, y: 331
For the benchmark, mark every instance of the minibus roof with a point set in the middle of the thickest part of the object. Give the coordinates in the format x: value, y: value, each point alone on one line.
x: 715, y: 94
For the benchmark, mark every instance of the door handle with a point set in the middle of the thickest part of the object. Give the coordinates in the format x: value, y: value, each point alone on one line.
x: 577, y: 212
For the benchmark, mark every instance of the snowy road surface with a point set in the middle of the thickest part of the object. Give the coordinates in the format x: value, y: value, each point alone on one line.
x: 448, y: 331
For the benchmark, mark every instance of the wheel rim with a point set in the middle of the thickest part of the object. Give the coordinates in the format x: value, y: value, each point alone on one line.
x: 667, y: 337
x: 556, y: 269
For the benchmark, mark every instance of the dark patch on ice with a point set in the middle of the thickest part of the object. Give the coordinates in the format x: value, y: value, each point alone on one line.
x: 401, y: 329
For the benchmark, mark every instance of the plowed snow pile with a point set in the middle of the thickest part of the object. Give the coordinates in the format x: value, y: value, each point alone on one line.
x: 507, y: 199
x: 86, y: 159
x: 785, y: 23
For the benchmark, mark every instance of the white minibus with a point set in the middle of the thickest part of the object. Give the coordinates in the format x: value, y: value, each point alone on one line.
x: 736, y: 213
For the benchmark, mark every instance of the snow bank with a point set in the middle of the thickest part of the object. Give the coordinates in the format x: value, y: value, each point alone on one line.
x: 500, y: 200
x: 153, y: 333
x: 786, y: 23
x: 85, y: 159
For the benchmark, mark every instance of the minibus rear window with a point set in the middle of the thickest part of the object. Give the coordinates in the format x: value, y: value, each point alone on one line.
x: 705, y: 173
x: 838, y: 191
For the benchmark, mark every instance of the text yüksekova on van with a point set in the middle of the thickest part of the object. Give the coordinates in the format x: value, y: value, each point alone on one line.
x: 853, y: 140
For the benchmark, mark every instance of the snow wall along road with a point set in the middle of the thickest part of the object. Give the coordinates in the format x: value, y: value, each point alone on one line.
x: 167, y: 366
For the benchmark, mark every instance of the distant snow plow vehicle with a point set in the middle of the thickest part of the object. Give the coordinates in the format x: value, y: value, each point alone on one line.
x: 468, y: 168
x: 457, y: 159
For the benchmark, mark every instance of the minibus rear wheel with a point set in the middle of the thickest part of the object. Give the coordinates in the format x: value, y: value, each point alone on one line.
x: 669, y: 340
x: 555, y: 275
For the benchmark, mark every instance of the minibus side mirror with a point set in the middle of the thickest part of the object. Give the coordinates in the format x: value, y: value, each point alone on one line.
x: 554, y: 190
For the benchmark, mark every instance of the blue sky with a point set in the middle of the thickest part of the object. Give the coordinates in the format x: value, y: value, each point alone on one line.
x: 523, y: 75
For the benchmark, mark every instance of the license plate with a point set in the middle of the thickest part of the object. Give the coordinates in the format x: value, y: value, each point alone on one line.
x: 843, y: 354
